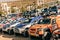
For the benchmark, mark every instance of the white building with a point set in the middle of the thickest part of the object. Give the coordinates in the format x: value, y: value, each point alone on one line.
x: 5, y: 7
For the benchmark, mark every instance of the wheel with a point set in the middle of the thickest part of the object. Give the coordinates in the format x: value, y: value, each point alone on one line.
x: 47, y: 34
x: 10, y: 32
x: 54, y: 37
x: 3, y: 32
x: 0, y: 30
x: 15, y: 34
x: 25, y: 34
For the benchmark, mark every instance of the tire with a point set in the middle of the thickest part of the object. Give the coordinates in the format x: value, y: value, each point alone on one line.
x: 48, y: 36
x: 10, y: 32
x: 25, y: 34
x: 0, y: 30
x: 54, y: 37
x: 16, y: 34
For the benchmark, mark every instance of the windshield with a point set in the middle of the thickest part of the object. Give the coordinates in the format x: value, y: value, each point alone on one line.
x: 27, y: 21
x: 20, y: 25
x: 44, y: 21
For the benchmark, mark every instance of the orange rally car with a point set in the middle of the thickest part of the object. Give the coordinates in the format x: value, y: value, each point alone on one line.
x: 45, y: 27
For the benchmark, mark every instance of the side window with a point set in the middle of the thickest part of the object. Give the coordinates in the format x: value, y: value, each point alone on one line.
x: 53, y: 21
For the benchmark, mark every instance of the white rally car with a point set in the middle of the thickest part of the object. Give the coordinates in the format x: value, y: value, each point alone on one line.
x: 23, y: 28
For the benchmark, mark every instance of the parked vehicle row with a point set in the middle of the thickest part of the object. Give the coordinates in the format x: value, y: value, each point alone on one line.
x: 20, y: 25
x: 43, y: 27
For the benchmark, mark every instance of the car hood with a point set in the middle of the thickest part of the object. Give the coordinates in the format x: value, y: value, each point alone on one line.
x: 20, y: 25
x: 14, y: 24
x: 27, y: 26
x: 40, y: 26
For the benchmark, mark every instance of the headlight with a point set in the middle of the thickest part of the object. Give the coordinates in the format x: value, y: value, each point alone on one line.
x: 44, y: 14
x: 39, y: 29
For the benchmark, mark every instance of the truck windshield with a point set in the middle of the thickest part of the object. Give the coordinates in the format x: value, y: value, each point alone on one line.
x: 44, y: 21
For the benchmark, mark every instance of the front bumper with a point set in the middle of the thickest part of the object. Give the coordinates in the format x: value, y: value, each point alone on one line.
x: 5, y: 30
x: 35, y: 35
x: 20, y: 31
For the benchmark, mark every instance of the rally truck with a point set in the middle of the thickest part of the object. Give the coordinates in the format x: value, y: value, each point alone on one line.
x: 44, y: 28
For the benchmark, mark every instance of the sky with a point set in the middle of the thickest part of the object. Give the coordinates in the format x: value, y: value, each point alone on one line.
x: 7, y: 0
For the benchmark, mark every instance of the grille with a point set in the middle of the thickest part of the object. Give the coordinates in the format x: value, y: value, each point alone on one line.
x: 33, y: 31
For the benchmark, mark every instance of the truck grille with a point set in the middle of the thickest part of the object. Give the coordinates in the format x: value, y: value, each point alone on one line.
x: 32, y: 30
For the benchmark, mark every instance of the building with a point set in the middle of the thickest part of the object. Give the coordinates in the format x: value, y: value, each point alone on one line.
x: 46, y: 2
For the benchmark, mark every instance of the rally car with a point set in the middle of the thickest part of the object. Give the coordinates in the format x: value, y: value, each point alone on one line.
x: 6, y: 27
x: 10, y: 29
x: 23, y: 28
